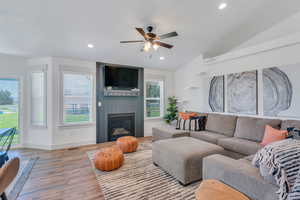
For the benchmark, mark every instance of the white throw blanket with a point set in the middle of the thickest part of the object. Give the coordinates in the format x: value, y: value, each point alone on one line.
x: 283, y: 160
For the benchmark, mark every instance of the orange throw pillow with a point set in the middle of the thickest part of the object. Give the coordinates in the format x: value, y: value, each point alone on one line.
x: 273, y: 135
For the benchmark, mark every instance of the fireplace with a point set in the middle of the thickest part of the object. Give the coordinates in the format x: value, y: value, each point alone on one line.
x: 119, y: 125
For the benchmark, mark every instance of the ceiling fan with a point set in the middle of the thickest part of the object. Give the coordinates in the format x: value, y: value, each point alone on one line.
x: 152, y: 40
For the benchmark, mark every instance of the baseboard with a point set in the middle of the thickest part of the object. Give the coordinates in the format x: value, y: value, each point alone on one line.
x: 71, y: 145
x: 36, y: 146
x: 57, y: 146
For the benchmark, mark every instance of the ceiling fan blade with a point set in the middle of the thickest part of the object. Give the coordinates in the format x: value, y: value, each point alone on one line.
x: 168, y: 35
x: 142, y: 32
x: 132, y: 41
x: 163, y: 44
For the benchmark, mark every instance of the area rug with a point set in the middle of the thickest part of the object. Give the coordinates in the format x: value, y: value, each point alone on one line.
x: 16, y: 186
x: 139, y: 179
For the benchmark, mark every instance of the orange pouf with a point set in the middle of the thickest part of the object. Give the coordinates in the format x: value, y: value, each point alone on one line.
x: 127, y: 144
x: 108, y: 159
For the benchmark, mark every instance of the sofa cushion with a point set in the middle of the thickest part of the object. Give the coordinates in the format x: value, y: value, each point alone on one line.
x: 207, y: 136
x: 248, y: 159
x: 166, y: 132
x: 224, y: 124
x: 182, y: 157
x: 254, y: 128
x: 239, y: 145
x: 290, y: 123
x: 240, y: 175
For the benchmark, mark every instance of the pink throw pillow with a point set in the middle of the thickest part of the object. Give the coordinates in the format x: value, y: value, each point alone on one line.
x: 273, y: 135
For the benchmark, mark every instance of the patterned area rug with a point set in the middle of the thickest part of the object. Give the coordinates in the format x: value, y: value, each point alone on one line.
x: 16, y: 186
x: 139, y: 179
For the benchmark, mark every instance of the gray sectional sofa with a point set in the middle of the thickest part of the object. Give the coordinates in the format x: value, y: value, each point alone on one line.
x: 235, y: 139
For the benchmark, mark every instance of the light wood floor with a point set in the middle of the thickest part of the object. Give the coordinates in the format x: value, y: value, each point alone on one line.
x: 62, y: 174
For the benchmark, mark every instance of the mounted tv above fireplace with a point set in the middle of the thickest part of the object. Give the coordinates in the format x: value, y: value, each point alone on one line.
x: 121, y: 78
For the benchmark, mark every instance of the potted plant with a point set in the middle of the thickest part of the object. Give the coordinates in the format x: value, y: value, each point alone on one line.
x: 172, y: 110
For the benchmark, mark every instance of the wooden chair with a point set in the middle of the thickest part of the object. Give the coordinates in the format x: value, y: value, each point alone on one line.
x: 7, y: 174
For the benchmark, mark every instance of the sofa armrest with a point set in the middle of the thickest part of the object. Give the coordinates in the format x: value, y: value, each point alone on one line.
x: 240, y: 175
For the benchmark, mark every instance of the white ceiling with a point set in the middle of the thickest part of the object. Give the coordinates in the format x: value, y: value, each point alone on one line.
x: 285, y: 28
x: 65, y: 27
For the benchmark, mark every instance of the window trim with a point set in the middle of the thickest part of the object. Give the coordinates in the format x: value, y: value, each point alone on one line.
x: 43, y: 70
x: 76, y: 71
x: 161, y: 98
x: 21, y: 117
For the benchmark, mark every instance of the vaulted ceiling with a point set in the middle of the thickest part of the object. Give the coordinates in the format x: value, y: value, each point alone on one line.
x: 65, y: 27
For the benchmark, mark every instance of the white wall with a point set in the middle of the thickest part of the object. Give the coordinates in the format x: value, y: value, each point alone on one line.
x: 190, y: 85
x: 40, y: 137
x: 274, y: 54
x: 64, y: 136
x: 56, y: 136
x: 167, y: 77
x: 286, y: 27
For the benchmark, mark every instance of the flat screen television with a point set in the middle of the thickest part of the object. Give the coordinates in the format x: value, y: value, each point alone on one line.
x: 121, y: 78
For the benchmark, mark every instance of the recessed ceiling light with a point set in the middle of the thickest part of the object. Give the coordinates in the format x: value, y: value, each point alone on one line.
x: 90, y: 46
x: 222, y: 6
x: 161, y: 58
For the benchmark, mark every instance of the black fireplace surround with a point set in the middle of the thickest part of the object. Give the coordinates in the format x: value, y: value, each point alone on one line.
x: 122, y: 113
x: 120, y: 124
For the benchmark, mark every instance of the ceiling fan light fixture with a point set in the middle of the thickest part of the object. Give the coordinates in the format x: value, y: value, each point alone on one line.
x: 90, y: 46
x: 147, y: 46
x: 152, y: 40
x: 155, y: 47
x: 222, y: 6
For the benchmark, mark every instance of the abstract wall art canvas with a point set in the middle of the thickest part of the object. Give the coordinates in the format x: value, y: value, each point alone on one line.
x: 216, y: 94
x: 281, y: 86
x: 242, y: 93
x: 279, y: 92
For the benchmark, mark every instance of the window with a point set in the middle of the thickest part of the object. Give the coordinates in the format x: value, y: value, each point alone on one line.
x: 77, y: 98
x: 9, y: 106
x: 154, y: 99
x: 38, y: 99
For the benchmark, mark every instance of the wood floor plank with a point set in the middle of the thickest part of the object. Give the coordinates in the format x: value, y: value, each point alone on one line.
x: 62, y: 174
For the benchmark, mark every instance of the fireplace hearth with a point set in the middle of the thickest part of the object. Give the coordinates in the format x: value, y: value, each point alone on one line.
x: 120, y: 124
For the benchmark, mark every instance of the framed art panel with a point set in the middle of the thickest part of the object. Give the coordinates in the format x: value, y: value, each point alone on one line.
x: 216, y: 94
x: 281, y: 97
x: 242, y: 93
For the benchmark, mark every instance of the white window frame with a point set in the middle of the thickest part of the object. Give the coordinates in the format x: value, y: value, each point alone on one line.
x: 21, y: 117
x: 162, y: 99
x: 43, y: 70
x: 76, y: 71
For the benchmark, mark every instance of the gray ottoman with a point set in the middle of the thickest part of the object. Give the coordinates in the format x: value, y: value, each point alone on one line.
x: 166, y: 132
x: 182, y: 157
